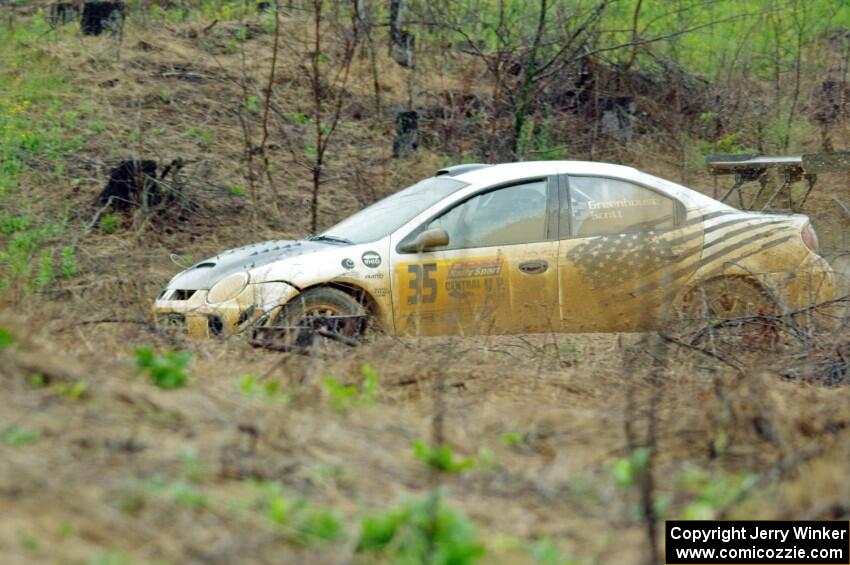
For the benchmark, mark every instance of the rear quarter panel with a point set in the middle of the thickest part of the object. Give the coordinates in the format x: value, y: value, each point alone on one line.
x: 770, y: 250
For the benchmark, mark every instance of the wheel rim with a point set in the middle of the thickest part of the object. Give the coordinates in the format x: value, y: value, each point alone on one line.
x: 309, y: 314
x: 732, y: 316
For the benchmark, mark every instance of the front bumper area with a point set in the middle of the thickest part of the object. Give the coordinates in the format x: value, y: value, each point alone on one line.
x: 202, y: 320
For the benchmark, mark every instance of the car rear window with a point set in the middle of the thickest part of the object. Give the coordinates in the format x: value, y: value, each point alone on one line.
x: 605, y: 206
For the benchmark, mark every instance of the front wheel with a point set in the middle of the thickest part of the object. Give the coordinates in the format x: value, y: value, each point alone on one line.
x: 321, y: 313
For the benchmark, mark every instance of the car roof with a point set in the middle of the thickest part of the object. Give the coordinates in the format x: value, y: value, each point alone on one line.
x: 507, y: 171
x: 510, y: 171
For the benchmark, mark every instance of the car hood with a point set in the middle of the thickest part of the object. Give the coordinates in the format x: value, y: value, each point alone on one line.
x: 204, y: 274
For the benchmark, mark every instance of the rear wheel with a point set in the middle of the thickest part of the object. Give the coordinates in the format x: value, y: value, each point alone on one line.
x: 313, y: 318
x: 732, y: 317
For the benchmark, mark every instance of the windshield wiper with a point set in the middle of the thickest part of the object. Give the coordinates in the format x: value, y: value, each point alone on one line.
x: 330, y: 239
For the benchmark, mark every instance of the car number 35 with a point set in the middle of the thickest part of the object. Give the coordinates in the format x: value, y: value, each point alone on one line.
x: 422, y: 286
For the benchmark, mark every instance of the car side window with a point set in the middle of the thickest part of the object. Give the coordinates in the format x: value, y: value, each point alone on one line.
x: 605, y: 206
x: 505, y: 216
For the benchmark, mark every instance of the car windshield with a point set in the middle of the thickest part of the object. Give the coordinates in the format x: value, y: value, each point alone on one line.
x: 387, y: 215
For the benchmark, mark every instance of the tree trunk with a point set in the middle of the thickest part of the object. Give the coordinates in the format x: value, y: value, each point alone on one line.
x: 522, y: 106
x: 62, y: 13
x: 402, y: 43
x: 314, y: 204
x: 406, y: 134
x: 102, y: 16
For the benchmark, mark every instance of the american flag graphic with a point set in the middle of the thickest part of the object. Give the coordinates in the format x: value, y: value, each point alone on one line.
x: 612, y: 260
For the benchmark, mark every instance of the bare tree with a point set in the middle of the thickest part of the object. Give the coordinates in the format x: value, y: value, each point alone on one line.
x: 522, y: 65
x: 328, y: 89
x: 326, y: 65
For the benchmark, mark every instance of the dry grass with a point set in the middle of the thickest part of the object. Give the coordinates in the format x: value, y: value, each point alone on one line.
x: 98, y: 475
x: 83, y: 486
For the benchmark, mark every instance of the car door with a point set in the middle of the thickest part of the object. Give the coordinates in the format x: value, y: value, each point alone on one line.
x: 625, y: 249
x: 498, y: 273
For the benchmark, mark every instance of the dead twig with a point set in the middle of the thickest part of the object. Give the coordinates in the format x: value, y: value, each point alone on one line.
x: 842, y: 204
x: 150, y: 326
x: 707, y: 353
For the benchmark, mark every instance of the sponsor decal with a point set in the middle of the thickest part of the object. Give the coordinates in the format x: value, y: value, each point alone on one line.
x: 463, y: 288
x: 465, y: 277
x: 375, y: 276
x: 371, y: 259
x: 381, y: 292
x: 623, y: 203
x: 475, y: 269
x: 347, y: 264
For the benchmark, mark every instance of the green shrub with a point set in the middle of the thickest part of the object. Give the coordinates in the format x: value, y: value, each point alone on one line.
x: 69, y: 262
x: 109, y: 223
x: 340, y: 396
x: 110, y: 558
x: 18, y: 437
x: 72, y: 391
x: 180, y: 491
x: 627, y: 470
x: 192, y: 468
x: 545, y: 552
x: 250, y: 385
x: 203, y: 136
x: 344, y: 397
x: 513, y: 439
x: 45, y: 276
x: 37, y: 380
x: 304, y: 523
x: 167, y: 370
x: 187, y: 494
x: 710, y: 494
x: 369, y: 388
x: 96, y: 127
x: 316, y: 525
x: 441, y: 458
x: 421, y: 531
x: 6, y: 338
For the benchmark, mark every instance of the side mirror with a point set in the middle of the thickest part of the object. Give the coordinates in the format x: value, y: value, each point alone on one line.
x: 428, y: 239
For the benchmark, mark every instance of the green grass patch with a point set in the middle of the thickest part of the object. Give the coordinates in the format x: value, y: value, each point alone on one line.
x: 421, y: 531
x: 167, y: 370
x: 15, y: 436
x: 6, y: 338
x: 441, y: 458
x: 38, y: 123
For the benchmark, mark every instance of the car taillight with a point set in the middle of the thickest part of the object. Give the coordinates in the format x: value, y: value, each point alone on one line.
x: 810, y: 238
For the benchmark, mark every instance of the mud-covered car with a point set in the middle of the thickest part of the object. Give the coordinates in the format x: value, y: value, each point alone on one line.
x: 561, y: 246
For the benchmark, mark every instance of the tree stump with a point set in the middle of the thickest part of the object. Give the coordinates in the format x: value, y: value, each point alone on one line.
x: 62, y: 13
x: 402, y: 48
x: 406, y: 134
x: 618, y: 118
x: 132, y: 184
x: 102, y: 16
x: 829, y: 106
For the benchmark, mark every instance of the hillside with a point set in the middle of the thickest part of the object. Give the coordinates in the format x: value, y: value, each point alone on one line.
x: 549, y: 449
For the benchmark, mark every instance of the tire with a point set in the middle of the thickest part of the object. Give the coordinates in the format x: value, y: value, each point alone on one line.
x: 733, y: 317
x: 302, y: 322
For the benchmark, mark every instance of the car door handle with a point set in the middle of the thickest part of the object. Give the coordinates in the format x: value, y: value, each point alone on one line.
x: 534, y: 267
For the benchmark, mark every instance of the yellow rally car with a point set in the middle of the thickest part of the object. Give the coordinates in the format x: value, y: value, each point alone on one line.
x: 561, y: 246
